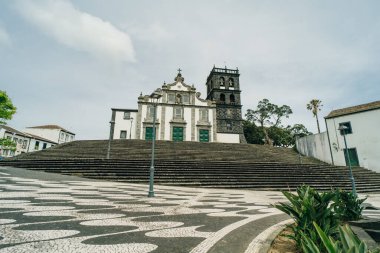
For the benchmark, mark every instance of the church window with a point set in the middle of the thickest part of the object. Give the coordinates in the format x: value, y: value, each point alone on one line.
x: 150, y: 112
x: 222, y: 98
x: 123, y: 134
x: 178, y: 113
x: 171, y: 98
x: 127, y: 115
x: 44, y: 146
x: 231, y: 82
x: 186, y: 99
x: 232, y: 98
x: 221, y: 81
x: 203, y: 115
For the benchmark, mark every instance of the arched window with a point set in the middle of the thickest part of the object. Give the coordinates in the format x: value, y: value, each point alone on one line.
x: 232, y: 98
x: 231, y: 82
x: 221, y: 81
x: 222, y: 98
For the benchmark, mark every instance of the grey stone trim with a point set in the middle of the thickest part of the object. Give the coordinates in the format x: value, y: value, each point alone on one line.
x: 150, y: 124
x: 138, y: 122
x: 192, y: 124
x: 214, y: 125
x: 184, y: 105
x: 163, y: 113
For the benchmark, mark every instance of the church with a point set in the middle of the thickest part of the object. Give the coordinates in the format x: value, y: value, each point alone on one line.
x: 180, y: 114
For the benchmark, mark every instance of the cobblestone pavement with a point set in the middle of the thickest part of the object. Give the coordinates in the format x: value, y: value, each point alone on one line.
x: 42, y: 212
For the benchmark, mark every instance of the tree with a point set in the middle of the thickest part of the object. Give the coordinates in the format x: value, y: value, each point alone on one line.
x: 253, y: 134
x: 314, y: 106
x: 7, y: 109
x: 268, y: 115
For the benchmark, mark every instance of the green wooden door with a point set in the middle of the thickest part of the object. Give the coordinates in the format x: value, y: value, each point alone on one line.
x: 204, y: 135
x: 354, y: 160
x: 149, y: 133
x: 177, y: 133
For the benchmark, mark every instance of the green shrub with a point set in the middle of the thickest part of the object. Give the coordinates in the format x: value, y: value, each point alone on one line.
x: 347, y: 206
x: 306, y: 207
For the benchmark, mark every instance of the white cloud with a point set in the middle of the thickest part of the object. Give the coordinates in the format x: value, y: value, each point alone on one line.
x: 5, y: 39
x: 78, y: 30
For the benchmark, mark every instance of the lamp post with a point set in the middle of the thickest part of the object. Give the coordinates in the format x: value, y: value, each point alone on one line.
x: 130, y: 129
x: 155, y: 96
x: 342, y: 129
x: 112, y: 123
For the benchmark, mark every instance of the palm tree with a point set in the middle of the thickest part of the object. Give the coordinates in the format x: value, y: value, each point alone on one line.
x: 314, y: 106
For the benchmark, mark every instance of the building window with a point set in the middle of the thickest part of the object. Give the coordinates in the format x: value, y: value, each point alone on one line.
x: 178, y: 112
x: 15, y: 140
x: 67, y: 137
x: 71, y: 138
x: 171, y: 98
x: 221, y: 81
x: 348, y: 130
x: 123, y: 134
x: 186, y: 99
x: 222, y: 98
x: 150, y: 112
x: 44, y: 145
x: 36, y: 145
x: 24, y: 144
x: 232, y: 99
x: 231, y: 82
x: 127, y: 115
x: 62, y: 136
x: 203, y: 115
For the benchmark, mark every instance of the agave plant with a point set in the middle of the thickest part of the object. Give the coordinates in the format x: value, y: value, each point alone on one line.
x: 306, y: 207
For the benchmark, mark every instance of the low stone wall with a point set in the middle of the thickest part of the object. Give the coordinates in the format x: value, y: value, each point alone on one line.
x: 316, y: 145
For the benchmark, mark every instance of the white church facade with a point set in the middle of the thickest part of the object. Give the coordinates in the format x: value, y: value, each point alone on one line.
x: 181, y: 113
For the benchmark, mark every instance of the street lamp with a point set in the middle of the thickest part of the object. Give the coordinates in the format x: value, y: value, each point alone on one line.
x: 112, y: 123
x: 342, y: 129
x: 155, y: 96
x: 130, y: 129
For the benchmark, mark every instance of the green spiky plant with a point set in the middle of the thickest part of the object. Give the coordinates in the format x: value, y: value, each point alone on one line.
x: 306, y: 207
x: 347, y: 242
x: 348, y: 206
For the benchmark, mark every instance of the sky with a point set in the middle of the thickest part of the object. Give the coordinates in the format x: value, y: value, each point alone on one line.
x: 69, y: 62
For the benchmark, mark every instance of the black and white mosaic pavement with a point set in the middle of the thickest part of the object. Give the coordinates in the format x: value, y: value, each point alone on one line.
x: 53, y: 213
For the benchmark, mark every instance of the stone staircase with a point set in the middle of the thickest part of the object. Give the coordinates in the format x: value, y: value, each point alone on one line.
x: 215, y: 165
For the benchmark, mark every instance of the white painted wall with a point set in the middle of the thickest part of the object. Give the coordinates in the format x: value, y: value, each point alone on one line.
x: 122, y: 124
x: 33, y: 147
x: 316, y: 146
x: 365, y: 138
x: 54, y: 135
x: 228, y: 138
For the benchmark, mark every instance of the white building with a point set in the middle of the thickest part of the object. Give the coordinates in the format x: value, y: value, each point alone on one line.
x: 53, y: 133
x: 182, y: 115
x: 24, y: 142
x: 363, y: 139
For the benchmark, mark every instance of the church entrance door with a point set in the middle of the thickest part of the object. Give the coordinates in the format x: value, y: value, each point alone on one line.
x: 177, y: 133
x: 149, y: 133
x: 204, y: 135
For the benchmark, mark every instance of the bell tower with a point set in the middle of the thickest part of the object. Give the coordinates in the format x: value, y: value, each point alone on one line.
x: 223, y: 87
